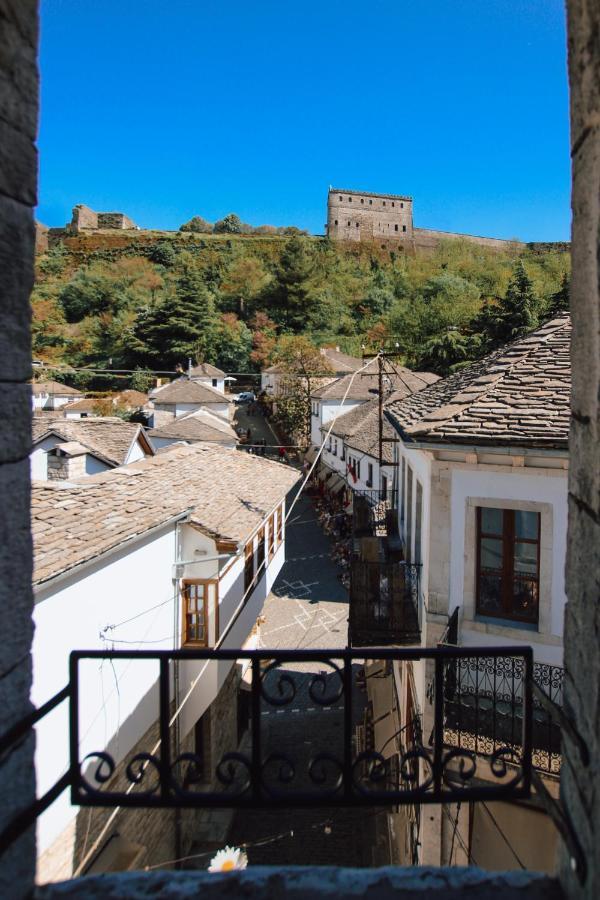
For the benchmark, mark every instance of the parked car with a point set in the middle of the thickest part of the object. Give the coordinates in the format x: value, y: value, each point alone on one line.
x: 246, y: 397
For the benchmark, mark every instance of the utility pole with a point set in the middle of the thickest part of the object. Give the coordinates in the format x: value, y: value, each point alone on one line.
x: 382, y: 356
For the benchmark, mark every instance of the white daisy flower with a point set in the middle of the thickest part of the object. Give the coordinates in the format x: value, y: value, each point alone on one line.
x: 228, y: 859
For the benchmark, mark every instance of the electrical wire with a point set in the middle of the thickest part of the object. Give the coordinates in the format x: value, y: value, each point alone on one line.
x: 454, y: 832
x: 503, y: 836
x: 467, y: 852
x: 322, y: 447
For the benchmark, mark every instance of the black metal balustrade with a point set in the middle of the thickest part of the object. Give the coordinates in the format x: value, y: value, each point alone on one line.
x: 384, y: 588
x: 484, y: 703
x: 267, y: 774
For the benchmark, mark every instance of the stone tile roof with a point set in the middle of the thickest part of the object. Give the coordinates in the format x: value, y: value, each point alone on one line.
x: 228, y: 494
x: 205, y: 370
x: 185, y: 391
x: 359, y: 429
x: 108, y: 436
x: 197, y: 426
x: 53, y: 387
x: 366, y: 383
x: 340, y: 363
x: 128, y: 399
x: 517, y: 395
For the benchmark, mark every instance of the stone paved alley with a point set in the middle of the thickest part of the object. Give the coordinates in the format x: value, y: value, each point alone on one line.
x: 308, y: 608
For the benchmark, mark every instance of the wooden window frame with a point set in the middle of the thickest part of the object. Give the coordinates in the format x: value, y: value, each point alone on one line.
x: 507, y: 573
x: 191, y: 582
x: 280, y: 525
x: 249, y: 567
x: 271, y: 553
x: 261, y: 553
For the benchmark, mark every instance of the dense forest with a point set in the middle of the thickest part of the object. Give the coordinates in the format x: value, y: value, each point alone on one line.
x: 151, y: 301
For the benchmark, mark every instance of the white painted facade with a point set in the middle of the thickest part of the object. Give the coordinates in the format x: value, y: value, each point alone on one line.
x: 338, y: 456
x: 93, y: 464
x: 166, y: 412
x: 323, y: 411
x: 46, y: 400
x: 452, y: 488
x: 90, y: 608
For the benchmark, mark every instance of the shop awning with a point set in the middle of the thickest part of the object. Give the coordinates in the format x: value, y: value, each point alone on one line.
x: 336, y: 484
x: 310, y: 454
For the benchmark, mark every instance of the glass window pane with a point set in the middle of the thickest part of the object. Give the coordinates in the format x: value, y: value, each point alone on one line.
x: 526, y: 559
x: 525, y: 599
x: 491, y: 520
x: 491, y: 554
x: 526, y: 524
x: 490, y: 594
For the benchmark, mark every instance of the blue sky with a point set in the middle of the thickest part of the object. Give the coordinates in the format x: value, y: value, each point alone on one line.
x: 164, y: 109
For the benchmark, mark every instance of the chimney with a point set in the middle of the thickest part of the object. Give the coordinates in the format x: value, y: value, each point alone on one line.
x: 66, y: 461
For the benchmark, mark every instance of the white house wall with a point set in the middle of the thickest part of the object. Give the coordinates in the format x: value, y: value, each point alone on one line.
x: 72, y: 615
x: 513, y: 485
x: 208, y: 677
x: 39, y: 459
x: 328, y: 410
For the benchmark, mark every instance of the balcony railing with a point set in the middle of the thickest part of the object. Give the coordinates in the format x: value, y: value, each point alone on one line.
x: 484, y: 704
x: 269, y: 770
x: 384, y: 603
x: 384, y: 589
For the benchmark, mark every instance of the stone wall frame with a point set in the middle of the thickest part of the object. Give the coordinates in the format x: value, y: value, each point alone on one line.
x: 546, y: 512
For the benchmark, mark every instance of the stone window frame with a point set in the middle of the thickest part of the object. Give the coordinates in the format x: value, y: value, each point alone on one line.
x: 546, y: 513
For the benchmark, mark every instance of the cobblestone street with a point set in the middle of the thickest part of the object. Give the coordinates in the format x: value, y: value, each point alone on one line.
x: 308, y: 608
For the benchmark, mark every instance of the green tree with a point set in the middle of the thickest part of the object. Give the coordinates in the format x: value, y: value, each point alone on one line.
x: 198, y: 225
x: 142, y: 380
x: 231, y: 224
x: 443, y: 352
x: 304, y: 368
x: 244, y: 281
x: 290, y: 300
x: 558, y: 302
x: 512, y: 316
x: 231, y: 343
x: 179, y: 326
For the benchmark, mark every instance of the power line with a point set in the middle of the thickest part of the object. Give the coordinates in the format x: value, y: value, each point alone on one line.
x: 503, y: 836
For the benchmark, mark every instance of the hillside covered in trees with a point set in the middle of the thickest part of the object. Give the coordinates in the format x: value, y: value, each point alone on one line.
x: 152, y: 300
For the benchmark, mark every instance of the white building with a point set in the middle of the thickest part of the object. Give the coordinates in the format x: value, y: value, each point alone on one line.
x: 482, y: 462
x: 52, y: 395
x: 352, y: 450
x: 64, y: 448
x: 275, y: 378
x: 128, y: 400
x: 176, y: 550
x: 204, y: 373
x: 326, y: 401
x: 185, y: 396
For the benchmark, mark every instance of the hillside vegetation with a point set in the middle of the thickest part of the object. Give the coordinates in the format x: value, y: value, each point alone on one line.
x: 151, y: 300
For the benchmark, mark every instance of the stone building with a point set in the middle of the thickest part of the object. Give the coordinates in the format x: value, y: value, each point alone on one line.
x: 86, y: 219
x: 365, y: 217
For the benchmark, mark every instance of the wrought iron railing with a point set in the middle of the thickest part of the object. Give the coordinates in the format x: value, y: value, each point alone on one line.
x: 484, y: 702
x: 323, y: 773
x: 384, y: 600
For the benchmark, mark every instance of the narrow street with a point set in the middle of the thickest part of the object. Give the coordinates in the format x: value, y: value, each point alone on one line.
x: 308, y: 608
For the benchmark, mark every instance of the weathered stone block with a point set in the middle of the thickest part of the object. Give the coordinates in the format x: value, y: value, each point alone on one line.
x: 16, y: 601
x: 18, y: 165
x: 17, y: 237
x: 18, y: 75
x: 15, y: 410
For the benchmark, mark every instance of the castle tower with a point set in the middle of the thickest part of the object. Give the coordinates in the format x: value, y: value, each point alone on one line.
x: 364, y: 216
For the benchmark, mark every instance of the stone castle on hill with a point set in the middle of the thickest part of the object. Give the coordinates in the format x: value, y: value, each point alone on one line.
x: 364, y: 217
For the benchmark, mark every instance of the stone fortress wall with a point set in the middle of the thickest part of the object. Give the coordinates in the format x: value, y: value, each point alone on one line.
x: 365, y: 217
x: 86, y: 219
